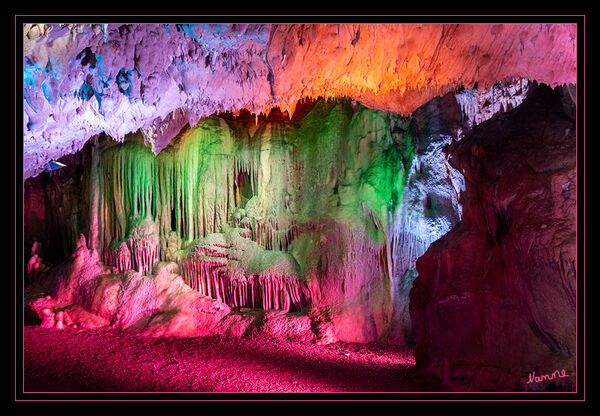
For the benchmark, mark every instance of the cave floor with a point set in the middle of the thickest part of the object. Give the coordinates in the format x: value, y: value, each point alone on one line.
x: 106, y: 360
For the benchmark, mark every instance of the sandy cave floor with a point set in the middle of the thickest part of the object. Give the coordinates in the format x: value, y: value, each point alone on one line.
x: 106, y: 360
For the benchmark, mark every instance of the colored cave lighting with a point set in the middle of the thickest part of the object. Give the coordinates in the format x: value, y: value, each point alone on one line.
x: 300, y: 207
x: 205, y: 69
x: 228, y: 208
x: 249, y: 215
x: 54, y: 165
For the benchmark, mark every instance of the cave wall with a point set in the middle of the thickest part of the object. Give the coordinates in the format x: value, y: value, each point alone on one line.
x: 495, y: 299
x: 315, y: 206
x: 56, y: 210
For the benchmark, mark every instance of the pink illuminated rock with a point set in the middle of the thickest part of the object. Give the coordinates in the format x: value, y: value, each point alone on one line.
x: 278, y: 324
x: 101, y: 295
x: 60, y: 324
x: 180, y: 310
x: 119, y: 257
x: 48, y: 318
x: 143, y: 243
x: 344, y: 277
x: 347, y: 288
x: 235, y: 324
x: 68, y: 321
x: 33, y: 264
x: 83, y: 265
x: 82, y: 319
x: 137, y: 299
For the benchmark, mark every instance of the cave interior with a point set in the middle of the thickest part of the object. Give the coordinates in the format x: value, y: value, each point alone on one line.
x: 406, y: 186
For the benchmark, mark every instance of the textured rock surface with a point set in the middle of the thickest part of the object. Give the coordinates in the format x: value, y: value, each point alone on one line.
x: 480, y: 105
x: 496, y: 297
x: 349, y: 222
x: 320, y: 215
x: 54, y: 218
x: 180, y: 311
x: 81, y: 80
x: 108, y: 361
x: 430, y: 205
x: 90, y: 297
x: 326, y: 204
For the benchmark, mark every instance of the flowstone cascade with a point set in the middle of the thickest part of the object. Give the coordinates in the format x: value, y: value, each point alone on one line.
x: 277, y: 184
x: 302, y: 214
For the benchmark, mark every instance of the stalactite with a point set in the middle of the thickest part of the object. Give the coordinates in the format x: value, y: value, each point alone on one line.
x: 326, y: 168
x: 95, y: 194
x: 478, y: 106
x: 410, y: 240
x: 266, y: 291
x: 119, y: 257
x: 272, y: 234
x: 183, y: 188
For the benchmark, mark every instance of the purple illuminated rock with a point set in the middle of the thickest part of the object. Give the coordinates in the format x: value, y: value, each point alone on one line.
x: 82, y: 80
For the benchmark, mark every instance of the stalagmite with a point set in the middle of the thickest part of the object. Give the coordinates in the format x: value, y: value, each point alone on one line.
x: 48, y: 318
x: 254, y: 215
x: 60, y: 324
x: 306, y: 182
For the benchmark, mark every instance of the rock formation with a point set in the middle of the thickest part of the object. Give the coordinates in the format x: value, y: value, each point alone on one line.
x: 409, y: 184
x: 257, y: 217
x: 81, y: 80
x: 496, y: 297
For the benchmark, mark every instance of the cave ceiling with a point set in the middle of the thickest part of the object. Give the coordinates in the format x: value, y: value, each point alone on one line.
x: 83, y: 80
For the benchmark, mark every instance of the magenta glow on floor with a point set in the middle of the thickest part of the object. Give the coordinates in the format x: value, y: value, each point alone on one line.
x: 109, y: 361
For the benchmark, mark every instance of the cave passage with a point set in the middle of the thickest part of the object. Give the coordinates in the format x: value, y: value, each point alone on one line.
x: 227, y: 233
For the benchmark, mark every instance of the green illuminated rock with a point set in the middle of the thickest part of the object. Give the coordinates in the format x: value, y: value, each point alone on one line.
x: 281, y: 214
